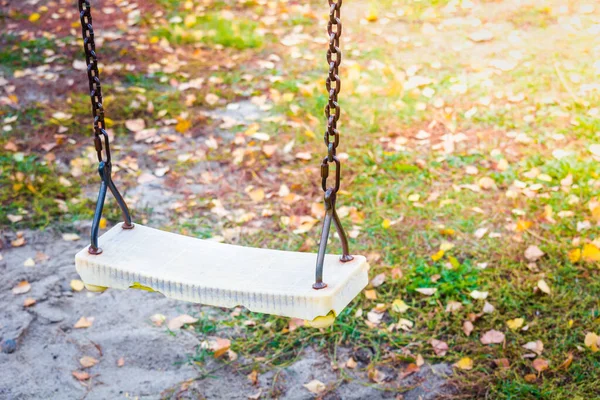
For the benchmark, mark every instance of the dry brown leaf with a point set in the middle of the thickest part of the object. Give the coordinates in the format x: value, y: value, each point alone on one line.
x: 295, y: 323
x: 18, y: 242
x: 351, y: 363
x: 22, y: 287
x: 540, y: 365
x: 374, y: 317
x: 158, y: 319
x: 537, y: 347
x: 468, y: 327
x: 135, y: 125
x: 256, y: 395
x: 440, y: 348
x: 378, y: 280
x: 70, y: 237
x: 533, y: 253
x: 219, y: 346
x: 477, y: 295
x: 592, y: 341
x: 543, y: 286
x: 482, y: 35
x: 120, y: 362
x: 257, y: 195
x: 29, y: 301
x: 492, y: 337
x: 502, y: 363
x: 410, y: 369
x: 87, y: 361
x: 178, y: 322
x: 81, y: 376
x: 269, y: 149
x: 253, y: 377
x: 530, y: 378
x: 315, y: 386
x: 371, y: 294
x: 375, y: 375
x: 396, y: 273
x: 453, y: 306
x: 84, y: 322
x: 567, y: 363
x: 427, y: 291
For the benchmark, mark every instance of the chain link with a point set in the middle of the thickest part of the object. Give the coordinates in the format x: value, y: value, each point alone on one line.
x: 333, y: 85
x: 91, y: 59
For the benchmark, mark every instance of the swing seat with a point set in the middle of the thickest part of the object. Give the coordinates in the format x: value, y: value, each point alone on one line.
x: 222, y: 275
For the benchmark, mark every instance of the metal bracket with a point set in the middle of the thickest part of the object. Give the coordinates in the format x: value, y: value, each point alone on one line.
x: 330, y: 215
x: 105, y: 171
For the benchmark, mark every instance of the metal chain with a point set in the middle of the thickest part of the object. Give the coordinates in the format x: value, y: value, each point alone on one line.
x: 333, y: 85
x: 105, y: 165
x: 91, y: 59
x: 332, y: 113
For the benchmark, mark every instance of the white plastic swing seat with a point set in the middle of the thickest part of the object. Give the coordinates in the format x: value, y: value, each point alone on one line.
x: 222, y: 275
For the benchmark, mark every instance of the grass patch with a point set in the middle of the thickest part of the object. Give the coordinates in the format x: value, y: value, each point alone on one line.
x: 17, y: 54
x: 211, y: 29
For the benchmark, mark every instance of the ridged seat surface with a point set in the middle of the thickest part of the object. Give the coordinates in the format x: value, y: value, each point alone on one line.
x: 202, y: 271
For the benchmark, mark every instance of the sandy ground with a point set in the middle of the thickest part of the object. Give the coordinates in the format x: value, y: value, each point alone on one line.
x: 48, y: 348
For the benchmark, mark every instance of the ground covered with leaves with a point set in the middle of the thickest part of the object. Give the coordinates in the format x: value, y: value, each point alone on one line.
x: 469, y: 140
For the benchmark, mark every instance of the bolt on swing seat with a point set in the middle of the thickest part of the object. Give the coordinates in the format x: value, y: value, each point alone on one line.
x: 216, y: 274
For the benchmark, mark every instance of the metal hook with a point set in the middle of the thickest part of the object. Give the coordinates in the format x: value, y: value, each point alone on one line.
x: 330, y: 215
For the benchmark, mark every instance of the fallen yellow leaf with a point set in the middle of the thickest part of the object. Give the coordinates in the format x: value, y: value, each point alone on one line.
x: 465, y: 363
x: 523, y: 225
x: 399, y: 306
x: 591, y: 341
x: 590, y: 253
x: 34, y: 17
x: 77, y: 285
x: 515, y: 324
x: 183, y: 125
x: 574, y: 255
x: 322, y: 322
x: 372, y: 15
x: 437, y: 256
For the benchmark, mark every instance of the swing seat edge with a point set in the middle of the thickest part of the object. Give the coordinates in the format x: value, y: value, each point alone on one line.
x: 222, y: 275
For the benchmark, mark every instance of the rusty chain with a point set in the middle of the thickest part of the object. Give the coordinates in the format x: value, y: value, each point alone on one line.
x: 333, y: 85
x: 91, y: 60
x: 332, y: 140
x: 105, y: 165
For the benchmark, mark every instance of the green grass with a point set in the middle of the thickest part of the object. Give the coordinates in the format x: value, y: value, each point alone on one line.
x: 17, y: 54
x: 213, y: 30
